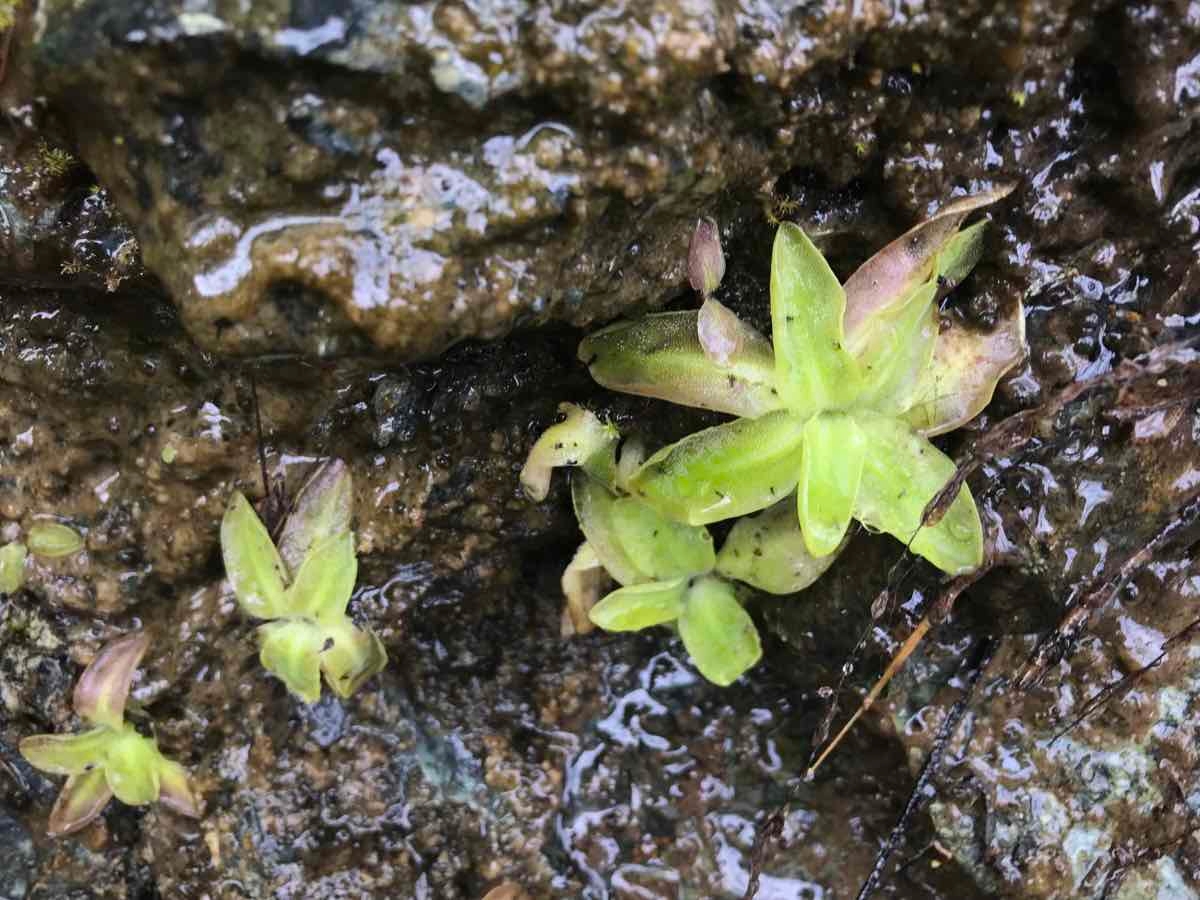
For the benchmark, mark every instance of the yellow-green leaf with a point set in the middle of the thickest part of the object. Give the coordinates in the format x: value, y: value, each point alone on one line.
x: 325, y: 581
x: 66, y: 754
x: 814, y: 370
x: 901, y: 474
x: 12, y: 567
x: 640, y: 606
x: 252, y: 563
x: 594, y: 505
x: 51, y: 539
x: 959, y: 256
x: 581, y: 439
x: 661, y: 356
x: 351, y: 656
x: 290, y: 649
x: 719, y: 635
x: 657, y: 546
x: 768, y: 552
x: 730, y: 470
x: 131, y: 767
x: 834, y: 451
x: 897, y: 352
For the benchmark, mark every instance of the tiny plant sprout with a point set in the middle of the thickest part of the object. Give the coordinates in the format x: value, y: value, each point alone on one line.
x: 51, y: 539
x: 111, y: 758
x: 302, y: 587
x: 12, y: 567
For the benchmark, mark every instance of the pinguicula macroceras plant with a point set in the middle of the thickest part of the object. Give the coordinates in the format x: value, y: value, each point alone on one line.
x: 668, y: 571
x: 835, y: 412
x: 112, y: 757
x: 302, y: 586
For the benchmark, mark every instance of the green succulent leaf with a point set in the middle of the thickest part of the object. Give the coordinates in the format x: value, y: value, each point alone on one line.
x: 813, y: 368
x: 51, y: 539
x: 662, y: 356
x: 899, y: 351
x: 962, y: 376
x: 730, y: 470
x: 657, y: 546
x: 351, y: 656
x: 12, y: 567
x: 959, y: 256
x: 633, y: 454
x: 830, y: 473
x: 325, y: 581
x: 885, y: 280
x: 80, y: 801
x: 322, y: 510
x: 767, y: 551
x: 66, y: 754
x: 640, y: 606
x: 634, y: 542
x: 902, y: 473
x: 719, y: 635
x: 175, y: 788
x: 594, y: 505
x: 131, y: 767
x: 582, y: 440
x: 103, y: 688
x: 290, y: 649
x: 252, y: 563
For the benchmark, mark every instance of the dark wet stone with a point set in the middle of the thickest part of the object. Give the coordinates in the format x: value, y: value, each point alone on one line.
x: 17, y: 858
x: 417, y: 174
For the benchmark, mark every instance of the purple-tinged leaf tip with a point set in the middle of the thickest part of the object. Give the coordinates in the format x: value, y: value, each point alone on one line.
x: 103, y: 687
x: 79, y: 802
x: 322, y: 510
x: 726, y: 339
x: 706, y: 260
x: 962, y: 376
x: 889, y: 276
x: 175, y: 789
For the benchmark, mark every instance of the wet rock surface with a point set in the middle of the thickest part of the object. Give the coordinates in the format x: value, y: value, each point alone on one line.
x: 372, y: 182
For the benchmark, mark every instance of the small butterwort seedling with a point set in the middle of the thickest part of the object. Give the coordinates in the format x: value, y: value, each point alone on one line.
x: 111, y: 758
x: 303, y: 586
x: 838, y: 406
